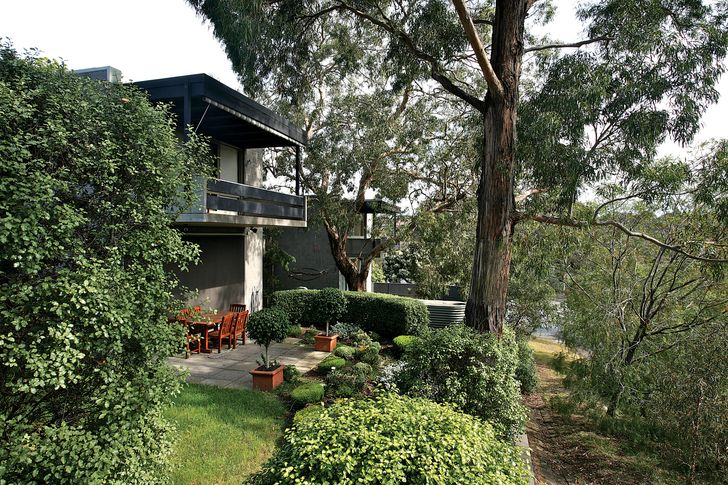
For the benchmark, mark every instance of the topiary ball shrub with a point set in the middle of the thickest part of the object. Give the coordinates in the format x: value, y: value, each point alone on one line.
x: 526, y: 368
x: 473, y: 370
x: 328, y: 306
x: 308, y: 393
x: 329, y: 363
x: 404, y: 342
x: 402, y: 439
x: 267, y: 326
x: 344, y: 351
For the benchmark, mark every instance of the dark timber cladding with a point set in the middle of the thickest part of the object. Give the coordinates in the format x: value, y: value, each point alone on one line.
x: 223, y: 113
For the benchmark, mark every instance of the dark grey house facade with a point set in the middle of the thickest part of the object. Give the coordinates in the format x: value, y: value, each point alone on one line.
x: 233, y: 209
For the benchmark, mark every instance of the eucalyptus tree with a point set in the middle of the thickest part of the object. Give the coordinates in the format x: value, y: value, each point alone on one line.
x: 596, y: 107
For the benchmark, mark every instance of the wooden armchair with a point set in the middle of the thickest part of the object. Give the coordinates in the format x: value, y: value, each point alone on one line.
x: 237, y: 307
x: 225, y: 332
x: 241, y: 323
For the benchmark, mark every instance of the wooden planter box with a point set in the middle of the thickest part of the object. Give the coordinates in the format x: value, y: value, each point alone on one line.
x: 267, y: 380
x: 322, y: 343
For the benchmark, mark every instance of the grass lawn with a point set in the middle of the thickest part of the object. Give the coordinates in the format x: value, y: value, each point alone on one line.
x: 223, y: 435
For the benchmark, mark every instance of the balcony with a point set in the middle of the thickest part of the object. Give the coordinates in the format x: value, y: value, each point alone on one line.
x: 230, y: 204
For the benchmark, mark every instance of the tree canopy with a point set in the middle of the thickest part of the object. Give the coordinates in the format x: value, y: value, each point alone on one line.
x: 586, y: 110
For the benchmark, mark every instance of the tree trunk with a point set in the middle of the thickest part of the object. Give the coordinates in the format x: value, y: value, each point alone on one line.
x: 486, y: 306
x: 356, y: 279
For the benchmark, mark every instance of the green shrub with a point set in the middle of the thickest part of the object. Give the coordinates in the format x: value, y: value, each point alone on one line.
x: 345, y: 330
x: 309, y: 337
x: 473, y: 370
x: 308, y: 393
x: 344, y: 351
x: 526, y: 368
x: 404, y: 343
x: 89, y: 173
x: 294, y: 331
x: 387, y: 315
x: 348, y: 381
x: 369, y: 353
x: 267, y: 326
x: 400, y: 438
x: 291, y: 373
x: 329, y: 305
x: 330, y: 362
x: 309, y: 412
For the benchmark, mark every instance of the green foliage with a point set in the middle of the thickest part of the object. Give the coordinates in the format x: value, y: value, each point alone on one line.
x: 308, y: 393
x: 328, y: 306
x: 404, y: 343
x: 309, y: 412
x: 400, y: 438
x: 378, y: 273
x: 294, y: 331
x: 386, y: 315
x: 345, y: 330
x: 344, y: 351
x: 267, y: 326
x: 291, y: 373
x: 475, y: 371
x: 526, y: 368
x: 90, y: 171
x: 348, y: 381
x: 369, y: 353
x: 329, y: 363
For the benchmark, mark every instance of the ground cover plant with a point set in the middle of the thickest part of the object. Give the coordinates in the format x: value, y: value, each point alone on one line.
x: 395, y: 439
x: 92, y: 177
x: 222, y: 435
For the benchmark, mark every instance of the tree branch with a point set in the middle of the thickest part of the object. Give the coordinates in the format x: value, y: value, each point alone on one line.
x: 560, y: 221
x: 564, y: 46
x: 528, y: 193
x: 494, y: 84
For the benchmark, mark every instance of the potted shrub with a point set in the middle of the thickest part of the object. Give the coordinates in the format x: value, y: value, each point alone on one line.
x: 328, y: 306
x: 265, y: 327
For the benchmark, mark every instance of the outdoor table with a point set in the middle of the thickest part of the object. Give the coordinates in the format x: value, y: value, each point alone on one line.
x: 206, y: 320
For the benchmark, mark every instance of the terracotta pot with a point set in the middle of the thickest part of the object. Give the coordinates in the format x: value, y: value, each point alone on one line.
x: 267, y: 380
x: 324, y: 343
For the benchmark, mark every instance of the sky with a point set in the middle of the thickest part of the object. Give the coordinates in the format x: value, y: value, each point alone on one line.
x: 150, y: 39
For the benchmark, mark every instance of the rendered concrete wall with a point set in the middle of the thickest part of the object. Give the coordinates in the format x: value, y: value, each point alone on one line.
x: 220, y: 275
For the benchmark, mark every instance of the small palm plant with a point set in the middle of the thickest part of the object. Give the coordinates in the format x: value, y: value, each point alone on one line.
x: 267, y: 326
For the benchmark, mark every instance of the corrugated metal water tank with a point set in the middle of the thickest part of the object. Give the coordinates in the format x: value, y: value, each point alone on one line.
x: 444, y: 313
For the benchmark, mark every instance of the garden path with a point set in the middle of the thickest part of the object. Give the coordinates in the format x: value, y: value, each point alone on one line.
x: 231, y: 368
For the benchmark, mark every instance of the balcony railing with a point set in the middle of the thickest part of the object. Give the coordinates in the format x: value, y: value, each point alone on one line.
x: 245, y: 200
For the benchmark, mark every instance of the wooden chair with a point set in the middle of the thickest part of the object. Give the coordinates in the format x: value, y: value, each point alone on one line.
x: 237, y: 307
x: 241, y: 323
x: 225, y: 332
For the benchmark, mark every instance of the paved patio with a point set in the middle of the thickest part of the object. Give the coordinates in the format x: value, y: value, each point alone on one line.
x: 231, y: 368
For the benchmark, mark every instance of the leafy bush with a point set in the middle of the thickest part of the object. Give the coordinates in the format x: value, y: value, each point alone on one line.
x: 526, y: 368
x: 89, y: 171
x: 309, y: 336
x: 345, y: 330
x: 294, y: 331
x: 348, y: 381
x: 308, y: 393
x: 344, y: 351
x: 330, y: 362
x: 400, y: 438
x: 329, y: 305
x: 369, y: 353
x: 404, y: 343
x: 291, y: 373
x: 267, y: 326
x: 309, y: 412
x: 386, y: 315
x: 473, y: 370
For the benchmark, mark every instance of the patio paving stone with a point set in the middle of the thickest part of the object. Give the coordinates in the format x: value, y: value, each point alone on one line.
x: 231, y: 368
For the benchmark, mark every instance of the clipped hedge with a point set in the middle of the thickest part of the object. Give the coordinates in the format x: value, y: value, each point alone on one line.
x: 387, y: 315
x: 329, y: 363
x: 308, y: 393
x: 392, y: 439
